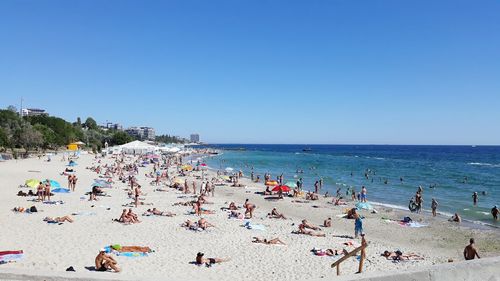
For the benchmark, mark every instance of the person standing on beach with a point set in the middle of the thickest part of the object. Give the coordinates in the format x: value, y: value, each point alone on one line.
x: 474, y: 198
x: 434, y: 205
x: 494, y: 212
x: 470, y: 251
x: 316, y: 187
x: 320, y: 183
x: 70, y: 182
x: 251, y: 176
x: 363, y: 194
x: 419, y: 201
x: 73, y: 183
x: 358, y: 225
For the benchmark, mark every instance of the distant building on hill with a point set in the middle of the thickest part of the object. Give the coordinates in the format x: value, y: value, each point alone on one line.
x: 195, y: 138
x: 142, y: 133
x: 112, y: 126
x: 34, y: 112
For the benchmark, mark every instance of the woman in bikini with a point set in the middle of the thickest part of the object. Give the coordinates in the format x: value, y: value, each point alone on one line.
x: 274, y: 241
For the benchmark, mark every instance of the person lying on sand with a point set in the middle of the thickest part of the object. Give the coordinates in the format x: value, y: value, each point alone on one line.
x: 105, y: 262
x: 190, y: 203
x: 208, y: 261
x: 236, y: 215
x: 188, y: 224
x: 328, y: 252
x: 327, y: 222
x: 155, y: 212
x: 306, y: 224
x: 303, y: 230
x: 58, y: 219
x: 274, y: 241
x: 204, y: 224
x: 338, y: 201
x: 398, y: 256
x: 200, y: 211
x: 275, y: 215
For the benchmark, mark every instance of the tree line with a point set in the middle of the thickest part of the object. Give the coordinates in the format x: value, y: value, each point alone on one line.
x: 49, y: 132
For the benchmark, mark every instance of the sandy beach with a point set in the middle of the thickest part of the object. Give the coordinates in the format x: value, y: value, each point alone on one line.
x: 54, y: 247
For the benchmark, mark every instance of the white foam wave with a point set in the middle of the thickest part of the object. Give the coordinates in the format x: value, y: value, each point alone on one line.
x: 484, y: 164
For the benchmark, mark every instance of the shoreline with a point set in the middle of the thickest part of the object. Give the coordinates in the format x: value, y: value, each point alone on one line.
x: 481, y: 223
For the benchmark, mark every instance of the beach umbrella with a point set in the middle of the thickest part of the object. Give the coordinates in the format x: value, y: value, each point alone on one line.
x: 225, y: 178
x: 72, y: 163
x: 54, y: 183
x: 32, y: 183
x: 291, y: 184
x: 187, y: 167
x: 363, y: 205
x: 283, y: 188
x: 229, y: 169
x: 203, y: 164
x: 60, y: 190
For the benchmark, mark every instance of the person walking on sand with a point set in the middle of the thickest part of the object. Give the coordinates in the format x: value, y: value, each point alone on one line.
x: 470, y: 251
x: 434, y: 205
x: 474, y: 198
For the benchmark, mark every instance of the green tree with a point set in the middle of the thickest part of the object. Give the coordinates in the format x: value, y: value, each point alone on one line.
x: 27, y: 137
x: 90, y: 124
x: 4, y: 140
x: 120, y: 138
x: 49, y: 136
x: 12, y: 108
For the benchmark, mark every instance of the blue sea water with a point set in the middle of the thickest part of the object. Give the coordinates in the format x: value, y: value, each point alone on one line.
x: 455, y: 171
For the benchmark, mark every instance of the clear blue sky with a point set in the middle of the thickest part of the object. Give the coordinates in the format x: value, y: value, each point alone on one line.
x: 235, y: 71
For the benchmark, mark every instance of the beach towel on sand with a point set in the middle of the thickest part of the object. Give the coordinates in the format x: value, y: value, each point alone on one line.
x: 249, y: 225
x: 10, y: 256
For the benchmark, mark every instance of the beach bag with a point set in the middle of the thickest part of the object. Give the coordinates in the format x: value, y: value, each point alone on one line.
x: 407, y: 219
x: 33, y: 209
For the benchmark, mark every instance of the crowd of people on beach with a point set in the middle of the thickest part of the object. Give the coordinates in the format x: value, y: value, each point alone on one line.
x: 170, y: 173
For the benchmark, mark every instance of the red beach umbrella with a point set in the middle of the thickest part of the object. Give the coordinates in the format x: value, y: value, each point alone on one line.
x: 283, y: 188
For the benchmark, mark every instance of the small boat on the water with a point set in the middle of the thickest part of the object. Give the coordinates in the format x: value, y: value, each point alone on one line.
x: 307, y: 149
